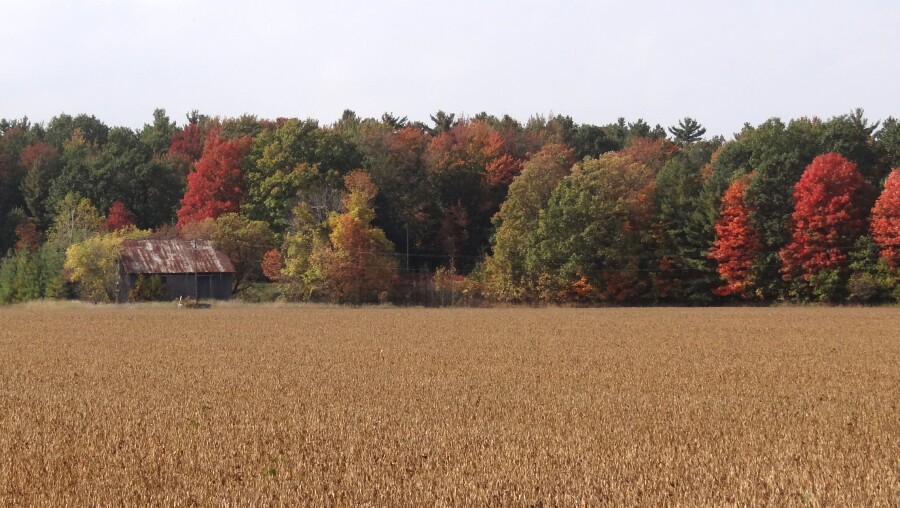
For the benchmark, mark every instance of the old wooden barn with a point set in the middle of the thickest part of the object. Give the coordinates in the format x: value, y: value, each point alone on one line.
x: 187, y: 268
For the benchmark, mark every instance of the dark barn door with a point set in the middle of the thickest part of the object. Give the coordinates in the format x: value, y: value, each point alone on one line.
x: 204, y: 287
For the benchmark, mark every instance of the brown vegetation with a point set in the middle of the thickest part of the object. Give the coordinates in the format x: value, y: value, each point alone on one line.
x: 240, y: 405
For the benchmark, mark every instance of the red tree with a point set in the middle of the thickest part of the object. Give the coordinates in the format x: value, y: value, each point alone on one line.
x: 216, y: 185
x: 38, y: 153
x: 828, y: 217
x: 737, y: 243
x: 118, y: 217
x: 654, y: 153
x: 885, y: 226
x: 473, y: 146
x: 187, y: 144
x: 27, y: 236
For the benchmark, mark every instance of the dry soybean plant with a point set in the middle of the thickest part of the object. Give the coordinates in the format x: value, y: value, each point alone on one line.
x: 239, y: 405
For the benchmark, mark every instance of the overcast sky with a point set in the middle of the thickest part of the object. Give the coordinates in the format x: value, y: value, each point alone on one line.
x: 722, y: 62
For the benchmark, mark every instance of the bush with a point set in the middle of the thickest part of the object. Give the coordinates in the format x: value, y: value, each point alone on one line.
x: 828, y: 285
x: 864, y: 288
x: 261, y: 293
x: 147, y: 289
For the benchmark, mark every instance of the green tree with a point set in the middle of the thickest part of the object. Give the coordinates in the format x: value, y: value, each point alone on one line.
x: 682, y: 231
x: 26, y: 285
x: 295, y: 162
x: 245, y: 242
x: 53, y: 282
x: 76, y: 221
x: 443, y: 122
x: 41, y: 164
x: 687, y: 131
x: 20, y: 277
x: 244, y: 125
x: 126, y: 169
x: 852, y: 136
x: 887, y: 142
x: 29, y: 273
x: 61, y: 129
x: 505, y: 270
x: 394, y: 122
x: 589, y: 238
x: 7, y: 280
x: 158, y: 135
x: 75, y: 173
x: 592, y: 141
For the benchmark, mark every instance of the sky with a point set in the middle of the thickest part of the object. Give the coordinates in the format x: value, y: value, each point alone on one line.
x: 722, y: 62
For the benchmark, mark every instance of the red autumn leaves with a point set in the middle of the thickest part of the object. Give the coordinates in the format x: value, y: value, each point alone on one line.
x: 216, y: 185
x: 886, y: 220
x: 737, y: 243
x: 829, y: 215
x: 830, y: 209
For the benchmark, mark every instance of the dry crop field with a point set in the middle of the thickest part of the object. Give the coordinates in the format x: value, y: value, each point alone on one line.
x: 331, y: 406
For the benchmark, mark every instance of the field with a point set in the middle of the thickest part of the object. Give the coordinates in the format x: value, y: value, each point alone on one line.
x: 311, y: 405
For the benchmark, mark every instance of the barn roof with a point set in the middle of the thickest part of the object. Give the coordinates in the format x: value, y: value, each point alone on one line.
x: 173, y: 256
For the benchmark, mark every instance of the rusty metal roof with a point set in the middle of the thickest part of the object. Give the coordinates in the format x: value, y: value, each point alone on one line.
x: 173, y: 256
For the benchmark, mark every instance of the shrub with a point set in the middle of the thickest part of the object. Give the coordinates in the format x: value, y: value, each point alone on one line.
x: 147, y: 289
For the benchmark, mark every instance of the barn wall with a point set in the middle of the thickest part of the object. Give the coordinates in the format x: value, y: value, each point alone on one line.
x: 179, y: 285
x: 205, y: 286
x: 214, y: 286
x: 126, y: 282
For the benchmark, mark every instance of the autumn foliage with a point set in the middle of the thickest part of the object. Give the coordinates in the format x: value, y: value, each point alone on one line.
x: 653, y: 153
x: 27, y: 236
x: 118, y: 217
x: 737, y: 243
x: 38, y: 153
x: 547, y: 210
x: 187, y: 144
x: 828, y: 217
x: 272, y: 265
x: 216, y: 185
x: 358, y: 266
x: 885, y: 225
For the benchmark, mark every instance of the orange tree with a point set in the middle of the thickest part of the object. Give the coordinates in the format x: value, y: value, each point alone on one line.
x: 359, y: 266
x: 737, y: 243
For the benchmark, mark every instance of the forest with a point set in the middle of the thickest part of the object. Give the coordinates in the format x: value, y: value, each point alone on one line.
x: 461, y: 210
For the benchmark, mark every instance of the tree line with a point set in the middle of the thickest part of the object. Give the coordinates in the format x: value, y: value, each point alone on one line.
x: 468, y: 208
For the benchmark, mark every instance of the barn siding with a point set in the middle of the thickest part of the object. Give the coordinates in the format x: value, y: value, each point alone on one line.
x: 205, y: 286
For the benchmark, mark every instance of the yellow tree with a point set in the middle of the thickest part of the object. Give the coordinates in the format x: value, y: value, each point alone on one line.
x: 359, y: 267
x: 303, y: 246
x: 91, y: 264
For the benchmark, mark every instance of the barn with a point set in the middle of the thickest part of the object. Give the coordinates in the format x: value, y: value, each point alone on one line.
x: 187, y: 268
